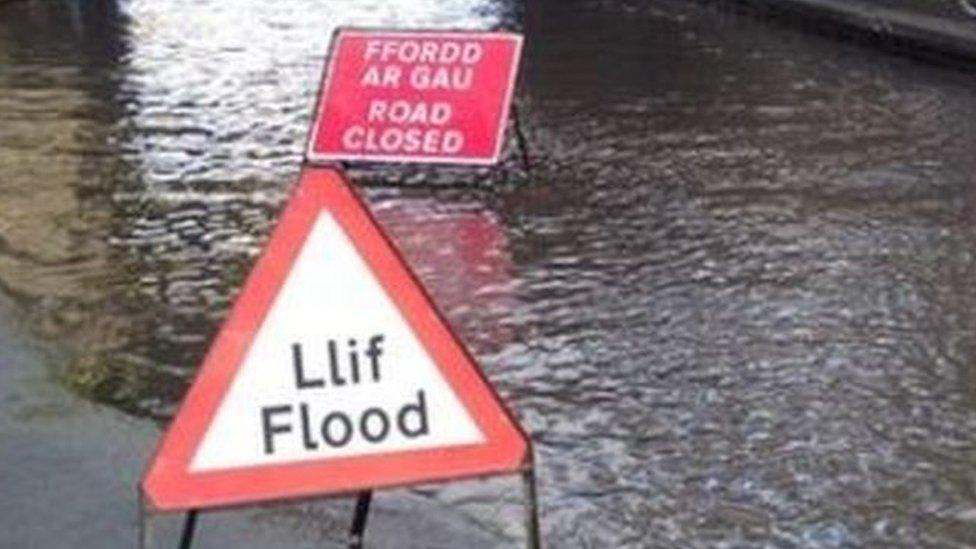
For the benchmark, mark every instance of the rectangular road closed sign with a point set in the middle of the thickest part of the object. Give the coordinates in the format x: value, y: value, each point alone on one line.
x: 419, y: 96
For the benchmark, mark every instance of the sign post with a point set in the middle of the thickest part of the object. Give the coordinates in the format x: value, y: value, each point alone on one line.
x: 334, y: 373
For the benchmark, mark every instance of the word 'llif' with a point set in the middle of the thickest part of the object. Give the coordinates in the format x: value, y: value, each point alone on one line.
x: 339, y: 372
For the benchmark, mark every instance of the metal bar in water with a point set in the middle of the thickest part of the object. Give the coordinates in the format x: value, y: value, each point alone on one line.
x: 358, y: 530
x: 189, y: 527
x: 533, y: 538
x: 145, y: 531
x: 521, y: 141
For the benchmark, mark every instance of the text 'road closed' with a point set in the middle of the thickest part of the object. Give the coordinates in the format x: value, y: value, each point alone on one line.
x: 429, y: 97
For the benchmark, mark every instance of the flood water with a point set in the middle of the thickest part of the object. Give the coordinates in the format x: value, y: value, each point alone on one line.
x: 733, y: 301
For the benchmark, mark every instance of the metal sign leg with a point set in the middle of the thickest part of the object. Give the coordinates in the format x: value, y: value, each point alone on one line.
x: 358, y: 530
x: 533, y: 537
x: 189, y: 528
x: 145, y: 531
x: 521, y: 141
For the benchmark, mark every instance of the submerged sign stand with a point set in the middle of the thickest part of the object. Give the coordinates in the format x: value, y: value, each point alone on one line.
x: 334, y: 373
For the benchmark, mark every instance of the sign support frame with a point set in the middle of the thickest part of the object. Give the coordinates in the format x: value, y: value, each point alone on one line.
x: 189, y: 528
x: 357, y: 532
x: 521, y: 142
x: 533, y: 536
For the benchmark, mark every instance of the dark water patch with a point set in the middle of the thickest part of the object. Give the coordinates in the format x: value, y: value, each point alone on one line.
x: 744, y: 288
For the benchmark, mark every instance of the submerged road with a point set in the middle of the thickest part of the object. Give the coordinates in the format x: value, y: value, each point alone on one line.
x: 732, y: 302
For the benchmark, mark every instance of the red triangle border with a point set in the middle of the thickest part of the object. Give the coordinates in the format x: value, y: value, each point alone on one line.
x: 169, y: 486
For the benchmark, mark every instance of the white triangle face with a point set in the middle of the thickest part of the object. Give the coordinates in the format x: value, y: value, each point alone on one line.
x: 299, y: 396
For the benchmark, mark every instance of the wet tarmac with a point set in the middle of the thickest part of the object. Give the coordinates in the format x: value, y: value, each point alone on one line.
x: 732, y: 300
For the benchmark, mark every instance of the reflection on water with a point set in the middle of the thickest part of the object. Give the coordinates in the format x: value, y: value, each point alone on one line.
x: 734, y: 306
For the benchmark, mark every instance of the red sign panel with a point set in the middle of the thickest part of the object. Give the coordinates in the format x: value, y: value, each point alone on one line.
x: 415, y: 97
x: 333, y: 373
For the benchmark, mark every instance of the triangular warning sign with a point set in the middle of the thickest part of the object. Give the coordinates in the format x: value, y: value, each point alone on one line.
x: 333, y: 373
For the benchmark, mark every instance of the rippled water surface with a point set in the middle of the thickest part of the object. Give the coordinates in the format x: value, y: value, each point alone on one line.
x: 733, y: 301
